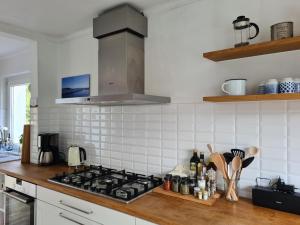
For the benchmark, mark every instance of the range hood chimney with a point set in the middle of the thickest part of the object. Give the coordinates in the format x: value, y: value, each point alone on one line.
x: 120, y: 33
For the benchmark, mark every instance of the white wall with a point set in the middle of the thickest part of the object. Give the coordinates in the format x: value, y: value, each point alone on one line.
x: 154, y: 139
x: 44, y: 72
x: 79, y: 55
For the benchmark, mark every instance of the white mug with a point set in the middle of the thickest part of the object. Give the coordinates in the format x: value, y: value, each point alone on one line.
x: 234, y: 86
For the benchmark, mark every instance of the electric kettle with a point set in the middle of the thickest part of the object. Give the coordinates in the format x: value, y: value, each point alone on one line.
x: 76, y: 156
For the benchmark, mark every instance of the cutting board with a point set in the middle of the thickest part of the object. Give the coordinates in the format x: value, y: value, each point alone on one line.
x: 25, y: 156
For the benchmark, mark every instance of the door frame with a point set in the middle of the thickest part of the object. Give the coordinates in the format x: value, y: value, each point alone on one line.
x: 17, y: 79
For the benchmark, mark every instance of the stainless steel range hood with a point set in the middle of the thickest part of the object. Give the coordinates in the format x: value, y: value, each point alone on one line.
x: 120, y: 33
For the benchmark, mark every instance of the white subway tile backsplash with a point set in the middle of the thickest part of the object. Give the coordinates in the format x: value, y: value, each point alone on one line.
x: 224, y: 122
x: 154, y: 139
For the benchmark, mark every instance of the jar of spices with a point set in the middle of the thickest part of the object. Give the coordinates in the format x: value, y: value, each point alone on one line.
x: 184, y: 186
x: 196, y: 191
x: 175, y: 183
x: 202, y: 183
x: 200, y: 195
x: 167, y: 182
x: 205, y: 195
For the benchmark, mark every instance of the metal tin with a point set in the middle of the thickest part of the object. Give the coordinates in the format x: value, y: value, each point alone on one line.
x: 175, y: 184
x: 281, y: 30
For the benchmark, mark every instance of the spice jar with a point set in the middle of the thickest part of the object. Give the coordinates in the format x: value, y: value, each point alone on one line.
x: 205, y: 195
x: 167, y: 182
x: 196, y: 191
x: 202, y: 183
x: 175, y: 183
x: 184, y: 187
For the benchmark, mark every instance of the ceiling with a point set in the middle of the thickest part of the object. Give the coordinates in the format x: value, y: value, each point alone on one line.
x: 59, y: 18
x: 9, y: 45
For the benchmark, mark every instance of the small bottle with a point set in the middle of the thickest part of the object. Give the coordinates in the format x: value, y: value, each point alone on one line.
x: 200, y: 195
x: 202, y: 183
x: 205, y: 195
x: 201, y: 165
x: 194, y: 162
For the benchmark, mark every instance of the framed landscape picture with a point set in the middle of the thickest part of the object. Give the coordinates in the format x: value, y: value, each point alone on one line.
x: 76, y: 86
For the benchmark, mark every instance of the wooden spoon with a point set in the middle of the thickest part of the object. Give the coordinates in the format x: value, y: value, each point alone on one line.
x: 236, y: 166
x: 252, y: 151
x: 210, y: 148
x: 218, y: 161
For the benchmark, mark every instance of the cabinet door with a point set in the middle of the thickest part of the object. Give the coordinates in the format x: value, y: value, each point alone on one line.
x: 50, y: 215
x: 143, y: 222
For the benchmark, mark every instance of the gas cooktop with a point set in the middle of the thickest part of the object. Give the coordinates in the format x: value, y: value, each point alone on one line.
x: 119, y: 185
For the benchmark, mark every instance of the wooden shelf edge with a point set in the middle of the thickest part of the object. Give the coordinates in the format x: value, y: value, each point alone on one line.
x: 248, y: 98
x: 269, y: 47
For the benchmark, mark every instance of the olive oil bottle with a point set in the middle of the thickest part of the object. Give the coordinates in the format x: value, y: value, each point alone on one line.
x: 194, y: 163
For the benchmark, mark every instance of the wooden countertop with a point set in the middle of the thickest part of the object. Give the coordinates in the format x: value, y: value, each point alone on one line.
x: 158, y: 208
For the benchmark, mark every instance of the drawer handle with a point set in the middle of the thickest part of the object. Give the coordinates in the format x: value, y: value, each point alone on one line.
x: 70, y: 219
x: 73, y: 207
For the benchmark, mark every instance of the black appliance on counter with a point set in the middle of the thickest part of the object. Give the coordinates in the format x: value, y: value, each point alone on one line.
x: 121, y: 185
x: 48, y: 148
x: 279, y: 196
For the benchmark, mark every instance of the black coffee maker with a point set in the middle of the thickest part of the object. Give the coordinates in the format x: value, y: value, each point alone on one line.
x: 48, y: 148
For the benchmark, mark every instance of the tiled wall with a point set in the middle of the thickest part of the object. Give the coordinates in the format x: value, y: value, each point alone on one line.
x: 33, y: 135
x: 153, y: 139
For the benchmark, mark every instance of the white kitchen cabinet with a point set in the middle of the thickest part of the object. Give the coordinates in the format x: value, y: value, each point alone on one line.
x: 84, y: 209
x: 50, y: 215
x: 143, y: 222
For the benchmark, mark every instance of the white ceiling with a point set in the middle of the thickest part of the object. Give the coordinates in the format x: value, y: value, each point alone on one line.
x: 9, y: 45
x: 60, y: 17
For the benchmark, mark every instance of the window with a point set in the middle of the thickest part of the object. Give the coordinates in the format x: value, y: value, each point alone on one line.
x: 19, y: 108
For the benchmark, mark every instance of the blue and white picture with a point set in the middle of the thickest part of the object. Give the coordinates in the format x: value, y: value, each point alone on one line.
x: 76, y: 86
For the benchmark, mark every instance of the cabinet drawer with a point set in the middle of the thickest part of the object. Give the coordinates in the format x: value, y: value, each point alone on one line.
x: 83, y: 208
x: 48, y: 215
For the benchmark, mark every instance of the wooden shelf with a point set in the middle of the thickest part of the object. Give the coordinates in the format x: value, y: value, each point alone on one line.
x: 283, y: 45
x: 249, y: 98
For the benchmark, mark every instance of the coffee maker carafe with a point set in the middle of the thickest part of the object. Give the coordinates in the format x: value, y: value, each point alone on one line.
x: 48, y: 148
x: 242, y: 26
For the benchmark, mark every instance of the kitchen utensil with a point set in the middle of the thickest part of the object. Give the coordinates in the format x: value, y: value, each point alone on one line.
x: 210, y: 148
x: 287, y: 85
x: 247, y: 162
x: 238, y: 152
x: 281, y: 30
x: 76, y: 156
x: 219, y: 163
x: 236, y: 166
x: 271, y: 86
x: 252, y: 151
x: 228, y: 157
x: 234, y: 86
x: 242, y: 28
